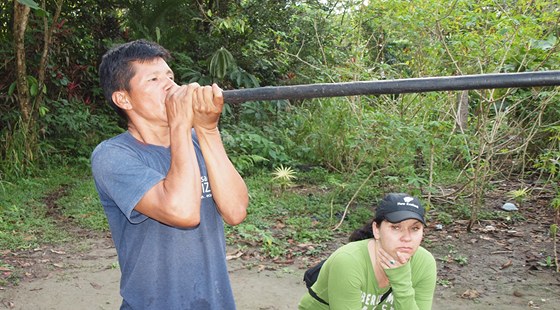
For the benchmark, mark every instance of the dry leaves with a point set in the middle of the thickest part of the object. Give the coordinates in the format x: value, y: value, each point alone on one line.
x: 470, y: 294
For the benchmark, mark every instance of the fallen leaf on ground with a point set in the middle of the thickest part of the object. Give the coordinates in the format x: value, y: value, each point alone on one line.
x: 234, y: 256
x: 96, y: 286
x: 470, y: 294
x: 506, y: 264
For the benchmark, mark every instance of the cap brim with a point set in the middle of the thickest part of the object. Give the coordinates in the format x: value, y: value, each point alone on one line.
x: 399, y: 216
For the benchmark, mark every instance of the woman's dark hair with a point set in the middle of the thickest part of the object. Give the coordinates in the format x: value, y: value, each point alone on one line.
x: 116, y: 70
x: 364, y: 232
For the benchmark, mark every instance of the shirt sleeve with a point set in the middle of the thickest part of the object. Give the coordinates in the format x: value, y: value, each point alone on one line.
x: 346, y: 280
x: 414, y: 283
x: 122, y: 178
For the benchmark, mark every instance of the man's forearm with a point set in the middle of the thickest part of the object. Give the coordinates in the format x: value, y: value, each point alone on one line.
x: 228, y: 188
x: 182, y: 184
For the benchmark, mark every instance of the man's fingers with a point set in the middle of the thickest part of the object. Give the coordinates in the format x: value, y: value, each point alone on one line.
x: 218, y: 95
x: 192, y: 90
x: 209, y: 99
x: 205, y: 97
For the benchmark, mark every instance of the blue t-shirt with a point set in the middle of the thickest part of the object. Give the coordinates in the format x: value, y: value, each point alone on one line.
x: 162, y: 267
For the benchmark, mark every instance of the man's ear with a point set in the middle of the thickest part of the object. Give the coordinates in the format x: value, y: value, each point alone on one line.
x: 121, y: 100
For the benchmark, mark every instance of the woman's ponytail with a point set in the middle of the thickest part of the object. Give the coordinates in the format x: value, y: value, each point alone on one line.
x: 365, y: 232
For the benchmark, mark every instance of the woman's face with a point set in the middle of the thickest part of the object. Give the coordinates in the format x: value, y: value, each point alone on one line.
x: 403, y: 237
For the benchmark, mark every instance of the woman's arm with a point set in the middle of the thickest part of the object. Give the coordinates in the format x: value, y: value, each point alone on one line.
x: 414, y: 283
x: 345, y: 281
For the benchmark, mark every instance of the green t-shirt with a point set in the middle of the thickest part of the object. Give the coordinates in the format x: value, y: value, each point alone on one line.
x: 347, y: 281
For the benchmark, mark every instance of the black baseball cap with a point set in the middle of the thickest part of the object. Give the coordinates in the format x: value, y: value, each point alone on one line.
x: 397, y: 207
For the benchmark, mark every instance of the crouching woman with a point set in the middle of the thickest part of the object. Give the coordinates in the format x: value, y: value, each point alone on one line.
x: 383, y: 268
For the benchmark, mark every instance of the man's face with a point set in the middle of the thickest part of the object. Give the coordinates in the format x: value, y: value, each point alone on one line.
x: 148, y: 89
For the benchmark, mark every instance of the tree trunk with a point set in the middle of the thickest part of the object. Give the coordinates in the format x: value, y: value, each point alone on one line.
x: 47, y: 36
x: 21, y: 17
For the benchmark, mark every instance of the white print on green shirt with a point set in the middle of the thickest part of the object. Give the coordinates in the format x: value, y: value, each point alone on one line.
x: 374, y: 300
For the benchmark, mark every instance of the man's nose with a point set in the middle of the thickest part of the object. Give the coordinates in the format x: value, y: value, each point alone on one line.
x: 170, y: 85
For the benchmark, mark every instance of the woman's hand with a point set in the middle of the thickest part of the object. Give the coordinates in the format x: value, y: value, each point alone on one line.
x: 387, y: 261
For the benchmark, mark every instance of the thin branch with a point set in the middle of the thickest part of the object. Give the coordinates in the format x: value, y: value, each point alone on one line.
x: 356, y: 194
x: 47, y: 38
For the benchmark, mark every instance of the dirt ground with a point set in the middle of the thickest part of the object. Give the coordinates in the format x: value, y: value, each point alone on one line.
x: 499, y: 265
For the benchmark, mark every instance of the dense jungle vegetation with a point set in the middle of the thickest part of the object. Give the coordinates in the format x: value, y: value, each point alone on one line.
x: 311, y: 165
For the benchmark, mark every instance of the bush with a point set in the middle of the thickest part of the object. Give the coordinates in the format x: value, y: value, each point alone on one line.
x: 73, y: 131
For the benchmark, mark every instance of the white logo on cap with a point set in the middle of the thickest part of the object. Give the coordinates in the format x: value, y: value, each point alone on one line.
x: 407, y: 201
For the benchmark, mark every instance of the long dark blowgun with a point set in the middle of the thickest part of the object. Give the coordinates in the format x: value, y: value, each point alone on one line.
x: 398, y: 86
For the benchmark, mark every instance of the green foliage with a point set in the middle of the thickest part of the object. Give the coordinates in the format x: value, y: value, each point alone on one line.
x: 30, y: 206
x: 14, y: 162
x: 25, y: 222
x: 519, y: 195
x: 275, y: 224
x: 444, y: 282
x: 347, y: 136
x: 410, y: 141
x: 250, y: 151
x: 164, y: 21
x: 548, y: 262
x: 82, y: 129
x: 81, y: 203
x: 328, y: 132
x: 461, y: 260
x: 549, y: 160
x: 222, y: 61
x: 283, y: 177
x: 454, y: 256
x: 299, y: 230
x: 444, y: 218
x: 222, y: 69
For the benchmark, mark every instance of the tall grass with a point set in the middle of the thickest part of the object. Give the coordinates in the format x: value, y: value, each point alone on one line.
x: 24, y: 223
x: 16, y: 161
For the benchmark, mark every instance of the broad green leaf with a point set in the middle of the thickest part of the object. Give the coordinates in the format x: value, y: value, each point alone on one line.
x: 30, y: 3
x: 221, y: 62
x: 33, y: 90
x: 43, y: 111
x: 158, y: 34
x: 12, y: 88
